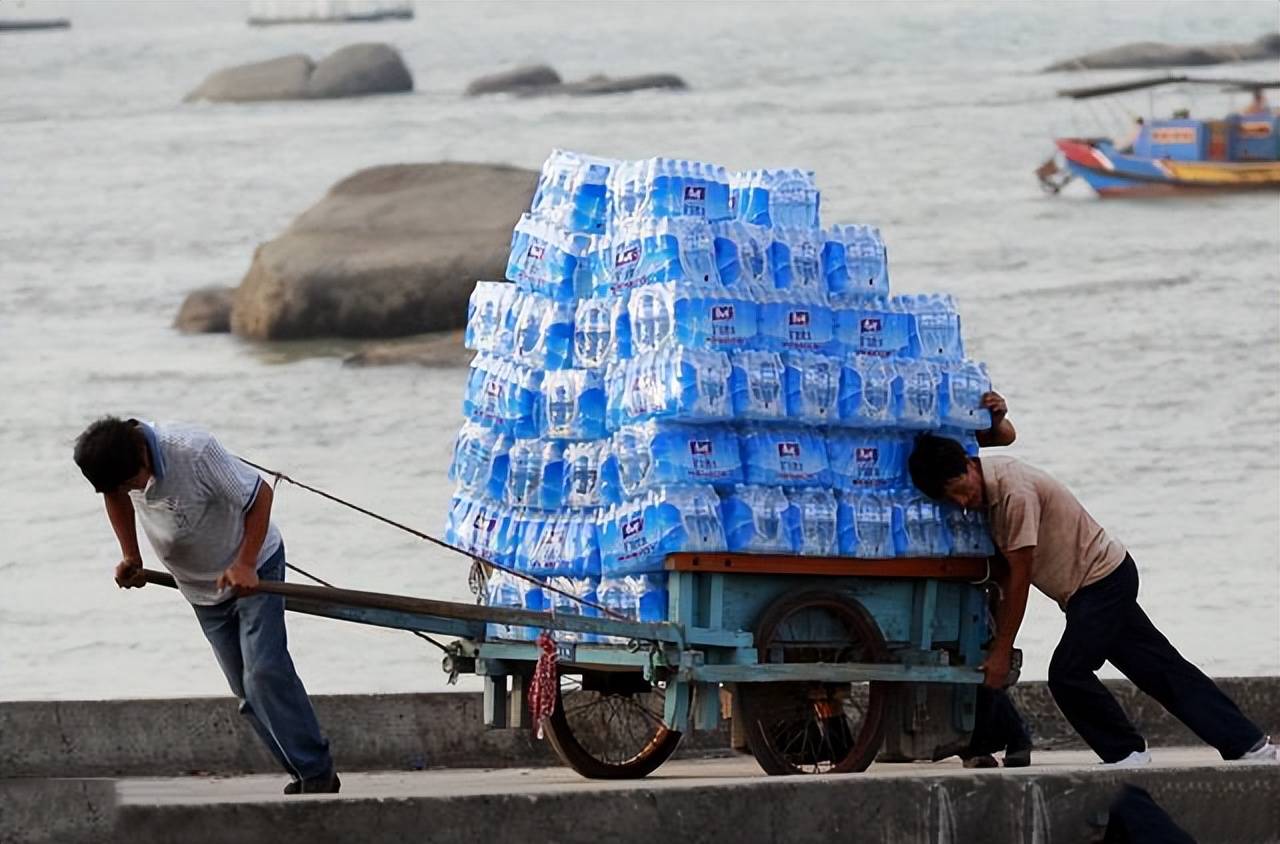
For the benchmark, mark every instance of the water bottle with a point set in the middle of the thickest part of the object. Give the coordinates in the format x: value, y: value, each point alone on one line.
x: 573, y: 405
x: 488, y: 317
x: 757, y: 385
x: 920, y: 528
x: 655, y: 453
x: 875, y: 330
x: 867, y: 458
x: 648, y: 251
x: 456, y: 519
x: 937, y: 325
x: 545, y: 258
x: 521, y: 388
x: 651, y: 314
x: 630, y: 540
x: 548, y: 549
x: 963, y: 385
x: 855, y: 262
x: 535, y: 474
x: 485, y: 531
x: 788, y: 457
x: 742, y: 255
x: 479, y: 465
x: 534, y: 599
x: 678, y: 383
x: 797, y: 320
x: 815, y: 511
x: 776, y: 197
x: 563, y: 602
x: 616, y: 595
x: 728, y: 321
x: 865, y: 520
x: 969, y: 532
x: 796, y: 256
x: 503, y: 590
x: 651, y: 597
x: 759, y: 520
x: 573, y: 189
x: 628, y: 464
x: 687, y: 518
x: 583, y: 469
x: 812, y: 388
x: 543, y: 332
x: 920, y: 383
x: 694, y: 454
x: 482, y: 396
x: 593, y: 333
x: 868, y: 391
x: 664, y: 187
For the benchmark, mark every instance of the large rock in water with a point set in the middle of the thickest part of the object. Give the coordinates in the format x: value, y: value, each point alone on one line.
x: 519, y: 79
x: 389, y: 251
x: 358, y: 70
x: 1154, y: 54
x: 354, y: 71
x: 542, y: 80
x: 206, y: 311
x: 284, y: 78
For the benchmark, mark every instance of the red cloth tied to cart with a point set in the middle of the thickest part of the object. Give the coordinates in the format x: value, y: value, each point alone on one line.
x: 546, y: 680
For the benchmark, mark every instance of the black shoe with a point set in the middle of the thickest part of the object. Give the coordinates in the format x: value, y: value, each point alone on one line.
x: 1019, y: 758
x: 986, y: 760
x: 325, y: 784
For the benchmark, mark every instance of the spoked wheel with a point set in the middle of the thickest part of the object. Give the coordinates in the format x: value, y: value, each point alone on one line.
x: 814, y: 727
x: 608, y: 725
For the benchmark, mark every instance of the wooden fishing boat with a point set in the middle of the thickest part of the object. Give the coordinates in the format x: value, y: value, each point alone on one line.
x: 1178, y: 155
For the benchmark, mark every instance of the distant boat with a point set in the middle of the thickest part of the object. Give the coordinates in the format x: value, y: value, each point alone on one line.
x: 327, y: 11
x: 34, y: 23
x: 1173, y: 156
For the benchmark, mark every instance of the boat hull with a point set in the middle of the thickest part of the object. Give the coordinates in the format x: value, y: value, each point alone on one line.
x: 1111, y: 173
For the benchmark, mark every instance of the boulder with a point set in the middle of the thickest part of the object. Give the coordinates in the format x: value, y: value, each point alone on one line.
x: 390, y: 251
x: 353, y: 71
x: 437, y: 350
x: 206, y: 311
x: 284, y: 78
x: 623, y: 84
x: 509, y: 81
x: 1147, y: 54
x: 359, y: 70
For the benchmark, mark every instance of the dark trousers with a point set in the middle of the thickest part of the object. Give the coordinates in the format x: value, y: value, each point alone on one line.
x: 1105, y: 624
x: 997, y: 725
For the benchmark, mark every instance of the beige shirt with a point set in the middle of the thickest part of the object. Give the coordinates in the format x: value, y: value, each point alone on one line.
x: 1029, y: 508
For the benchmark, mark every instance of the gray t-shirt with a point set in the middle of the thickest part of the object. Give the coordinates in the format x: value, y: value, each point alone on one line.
x: 193, y: 508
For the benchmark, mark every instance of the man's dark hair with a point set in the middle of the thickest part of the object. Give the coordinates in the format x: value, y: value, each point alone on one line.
x: 108, y: 453
x: 934, y: 461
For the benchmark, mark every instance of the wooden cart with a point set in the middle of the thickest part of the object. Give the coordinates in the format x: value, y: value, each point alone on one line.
x: 823, y: 662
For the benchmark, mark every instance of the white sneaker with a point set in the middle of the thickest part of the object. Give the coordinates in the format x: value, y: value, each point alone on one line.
x: 1136, y: 759
x: 1266, y: 752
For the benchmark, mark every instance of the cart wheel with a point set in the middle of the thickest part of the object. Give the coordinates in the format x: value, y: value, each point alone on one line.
x: 608, y: 725
x: 812, y: 727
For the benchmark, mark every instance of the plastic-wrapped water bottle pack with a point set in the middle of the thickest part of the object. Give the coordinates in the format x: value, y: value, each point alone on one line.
x: 683, y: 359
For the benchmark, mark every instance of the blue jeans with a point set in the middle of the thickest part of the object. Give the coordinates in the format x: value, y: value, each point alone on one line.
x: 248, y: 638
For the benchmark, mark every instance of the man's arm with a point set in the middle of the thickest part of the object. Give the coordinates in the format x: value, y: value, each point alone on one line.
x: 125, y: 527
x: 1015, y: 584
x: 242, y: 574
x: 1001, y: 431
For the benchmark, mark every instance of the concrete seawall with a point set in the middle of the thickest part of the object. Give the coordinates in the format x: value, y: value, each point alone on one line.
x: 60, y: 760
x: 413, y: 731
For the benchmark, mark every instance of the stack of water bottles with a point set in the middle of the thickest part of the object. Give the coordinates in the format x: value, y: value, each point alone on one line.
x: 683, y: 359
